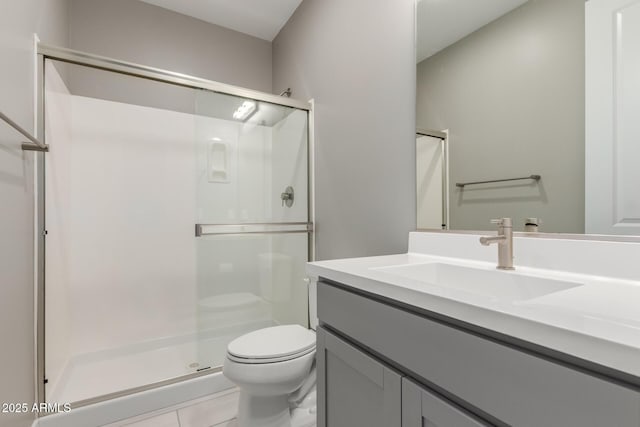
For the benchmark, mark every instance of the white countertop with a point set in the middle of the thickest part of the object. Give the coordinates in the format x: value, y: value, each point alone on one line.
x: 598, y: 321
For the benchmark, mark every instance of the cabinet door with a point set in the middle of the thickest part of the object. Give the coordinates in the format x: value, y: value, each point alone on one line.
x: 355, y: 390
x: 421, y: 408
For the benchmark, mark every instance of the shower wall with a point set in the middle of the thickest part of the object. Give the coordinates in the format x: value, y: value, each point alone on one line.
x: 290, y: 148
x: 131, y: 224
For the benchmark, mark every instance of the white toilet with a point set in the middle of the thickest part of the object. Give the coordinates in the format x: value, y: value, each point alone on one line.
x: 275, y: 371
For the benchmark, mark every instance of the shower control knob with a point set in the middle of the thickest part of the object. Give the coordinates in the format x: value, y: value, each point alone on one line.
x: 287, y: 197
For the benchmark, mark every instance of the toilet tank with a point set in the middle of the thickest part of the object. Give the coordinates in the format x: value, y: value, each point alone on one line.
x: 313, y: 302
x: 275, y: 272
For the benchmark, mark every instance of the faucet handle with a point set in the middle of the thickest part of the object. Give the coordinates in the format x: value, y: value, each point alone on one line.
x: 502, y: 222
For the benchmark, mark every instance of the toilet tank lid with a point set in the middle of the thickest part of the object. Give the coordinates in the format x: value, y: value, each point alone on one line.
x: 273, y: 342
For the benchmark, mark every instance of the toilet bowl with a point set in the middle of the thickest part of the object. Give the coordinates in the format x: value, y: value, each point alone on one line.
x: 268, y: 366
x: 274, y: 368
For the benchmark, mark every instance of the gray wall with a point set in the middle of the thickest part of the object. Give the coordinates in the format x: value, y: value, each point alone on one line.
x: 357, y: 60
x: 512, y: 96
x: 139, y: 32
x: 18, y: 21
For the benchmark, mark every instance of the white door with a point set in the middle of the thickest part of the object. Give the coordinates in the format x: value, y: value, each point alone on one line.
x: 612, y: 150
x: 429, y: 182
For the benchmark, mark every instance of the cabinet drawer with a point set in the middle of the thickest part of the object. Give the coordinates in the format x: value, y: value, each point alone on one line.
x: 506, y: 384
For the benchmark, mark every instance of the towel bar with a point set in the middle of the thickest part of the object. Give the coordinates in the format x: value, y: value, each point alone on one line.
x: 463, y: 184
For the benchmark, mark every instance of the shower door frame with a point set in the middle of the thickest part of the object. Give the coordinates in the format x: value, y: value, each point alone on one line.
x: 71, y: 56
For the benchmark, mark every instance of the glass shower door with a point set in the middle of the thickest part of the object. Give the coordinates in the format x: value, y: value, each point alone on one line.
x: 251, y: 225
x: 176, y: 221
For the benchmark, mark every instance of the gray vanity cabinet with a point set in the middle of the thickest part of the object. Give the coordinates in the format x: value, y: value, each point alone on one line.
x: 422, y: 408
x: 367, y: 343
x: 354, y: 389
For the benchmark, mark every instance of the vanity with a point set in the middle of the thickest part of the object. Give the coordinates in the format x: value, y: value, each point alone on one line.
x: 439, y: 337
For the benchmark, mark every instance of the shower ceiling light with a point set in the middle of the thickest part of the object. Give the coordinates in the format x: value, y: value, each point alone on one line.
x: 245, y: 110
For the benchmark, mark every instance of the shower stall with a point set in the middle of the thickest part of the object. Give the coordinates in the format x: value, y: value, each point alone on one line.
x: 174, y: 215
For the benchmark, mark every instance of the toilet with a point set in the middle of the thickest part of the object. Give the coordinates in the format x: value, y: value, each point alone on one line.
x: 274, y: 368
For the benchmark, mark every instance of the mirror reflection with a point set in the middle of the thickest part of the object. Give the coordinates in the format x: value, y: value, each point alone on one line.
x: 501, y: 101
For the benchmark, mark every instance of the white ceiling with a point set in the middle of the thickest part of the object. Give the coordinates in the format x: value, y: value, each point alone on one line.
x: 259, y: 18
x: 443, y: 22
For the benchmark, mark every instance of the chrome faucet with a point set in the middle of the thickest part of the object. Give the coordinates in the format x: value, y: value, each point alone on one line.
x: 504, y: 239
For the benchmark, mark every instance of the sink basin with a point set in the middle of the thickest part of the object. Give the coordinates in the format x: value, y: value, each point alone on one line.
x: 494, y: 284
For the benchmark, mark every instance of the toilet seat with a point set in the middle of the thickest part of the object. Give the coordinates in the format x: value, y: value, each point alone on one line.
x: 272, y: 345
x: 267, y: 360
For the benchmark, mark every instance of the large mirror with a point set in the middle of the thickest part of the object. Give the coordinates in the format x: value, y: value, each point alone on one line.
x: 529, y: 109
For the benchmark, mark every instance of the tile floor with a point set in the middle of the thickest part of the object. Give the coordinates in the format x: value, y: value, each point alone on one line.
x: 217, y: 410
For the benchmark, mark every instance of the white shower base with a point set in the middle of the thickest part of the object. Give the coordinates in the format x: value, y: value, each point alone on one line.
x: 156, y: 400
x: 97, y: 374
